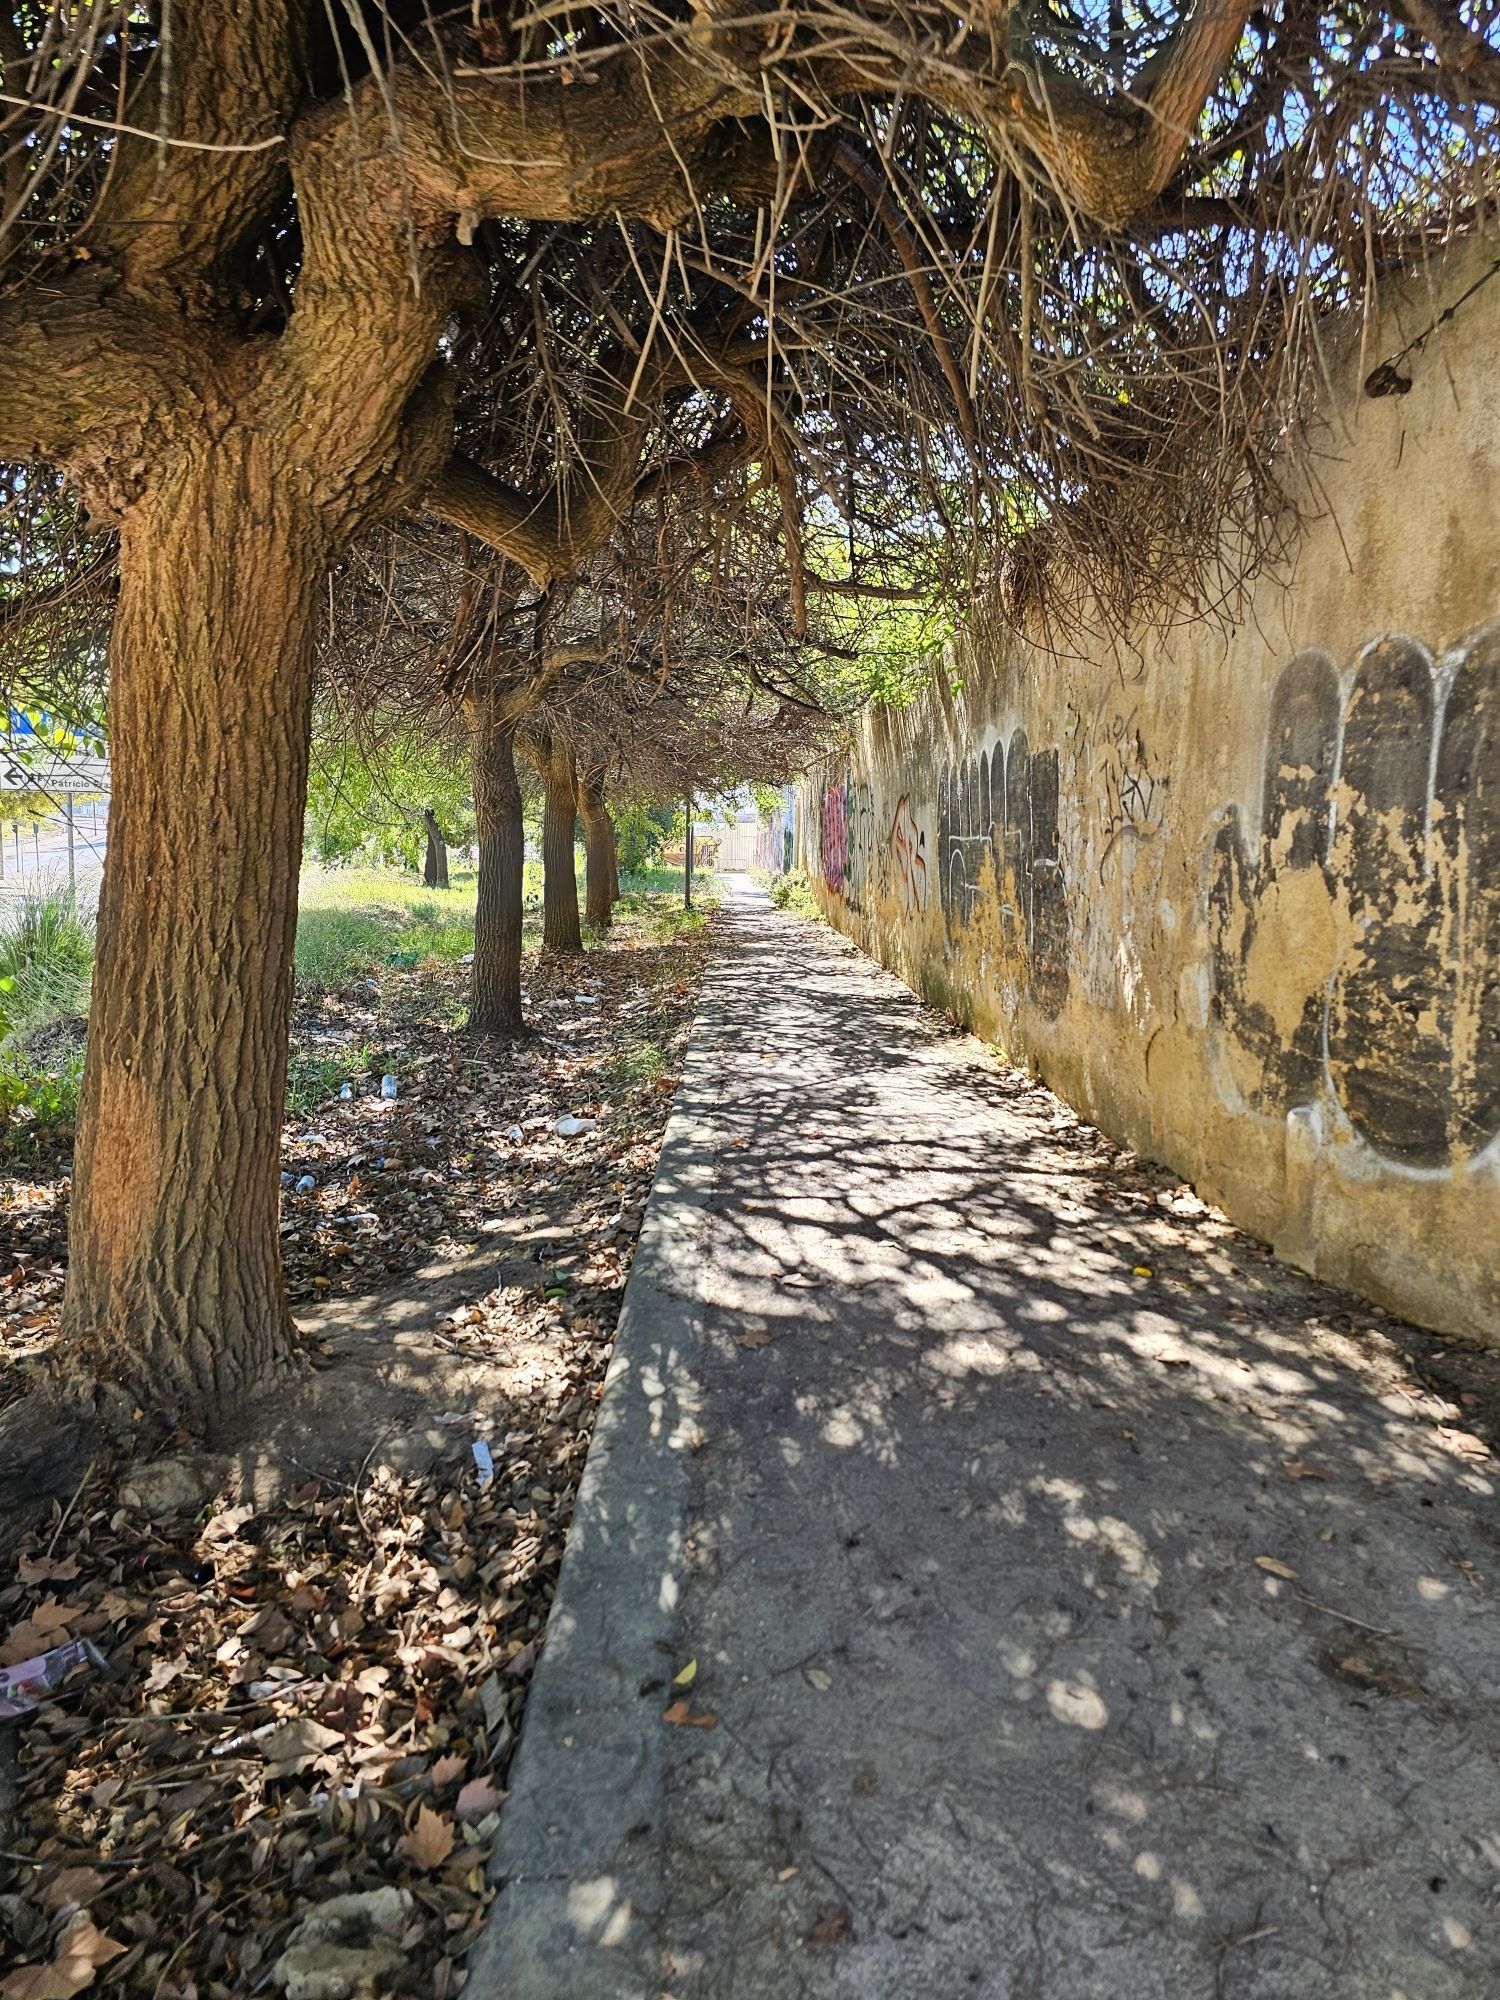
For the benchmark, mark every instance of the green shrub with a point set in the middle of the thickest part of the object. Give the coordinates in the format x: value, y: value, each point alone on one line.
x: 38, y: 1099
x: 793, y: 892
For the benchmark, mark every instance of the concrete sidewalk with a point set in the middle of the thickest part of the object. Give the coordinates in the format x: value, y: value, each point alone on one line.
x: 1089, y: 1608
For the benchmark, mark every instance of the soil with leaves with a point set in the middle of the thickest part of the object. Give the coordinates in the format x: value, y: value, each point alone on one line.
x: 288, y: 1774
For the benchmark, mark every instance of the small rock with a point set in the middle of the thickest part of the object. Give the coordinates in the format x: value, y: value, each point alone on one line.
x: 172, y: 1485
x: 347, y: 1946
x: 337, y: 1971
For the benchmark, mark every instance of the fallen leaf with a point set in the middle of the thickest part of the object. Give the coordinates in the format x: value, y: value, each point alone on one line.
x: 292, y: 1745
x: 446, y: 1769
x: 45, y: 1628
x: 687, y: 1676
x: 81, y: 1952
x: 681, y: 1712
x: 832, y: 1927
x: 1276, y: 1568
x: 1141, y: 1271
x: 47, y: 1569
x: 753, y: 1336
x: 818, y: 1678
x: 430, y: 1840
x: 477, y: 1798
x: 50, y: 1616
x: 1298, y: 1468
x: 164, y: 1673
x: 71, y: 1885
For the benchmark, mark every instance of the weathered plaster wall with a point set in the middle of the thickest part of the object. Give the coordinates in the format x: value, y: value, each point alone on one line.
x: 1237, y: 896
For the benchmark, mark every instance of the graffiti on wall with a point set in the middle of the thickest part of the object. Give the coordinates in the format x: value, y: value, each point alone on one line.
x: 906, y: 858
x: 999, y: 807
x: 848, y: 839
x: 1132, y: 796
x: 1356, y: 950
x: 834, y: 844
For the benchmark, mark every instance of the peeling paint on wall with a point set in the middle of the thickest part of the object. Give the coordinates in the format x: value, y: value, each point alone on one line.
x: 1358, y: 957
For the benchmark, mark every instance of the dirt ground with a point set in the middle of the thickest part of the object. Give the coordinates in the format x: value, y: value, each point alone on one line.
x: 318, y: 1632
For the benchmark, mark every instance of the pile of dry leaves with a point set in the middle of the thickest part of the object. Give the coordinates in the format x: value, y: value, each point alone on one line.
x: 288, y: 1772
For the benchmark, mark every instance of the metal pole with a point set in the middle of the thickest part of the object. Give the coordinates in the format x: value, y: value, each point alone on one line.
x: 68, y: 816
x: 687, y: 857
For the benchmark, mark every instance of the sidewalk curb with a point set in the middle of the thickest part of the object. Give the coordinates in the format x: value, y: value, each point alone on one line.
x: 578, y: 1863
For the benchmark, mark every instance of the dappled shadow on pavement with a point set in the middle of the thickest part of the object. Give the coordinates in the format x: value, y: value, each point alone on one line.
x: 1090, y: 1606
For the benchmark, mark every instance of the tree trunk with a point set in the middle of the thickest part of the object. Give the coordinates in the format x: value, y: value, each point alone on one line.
x: 174, y: 1285
x: 598, y: 840
x: 435, y: 866
x: 614, y: 863
x: 560, y: 930
x: 687, y: 858
x: 495, y: 984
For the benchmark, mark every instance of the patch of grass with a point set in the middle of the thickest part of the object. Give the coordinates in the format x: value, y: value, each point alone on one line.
x: 668, y: 882
x: 313, y: 1077
x: 353, y: 921
x: 641, y: 1067
x: 47, y: 958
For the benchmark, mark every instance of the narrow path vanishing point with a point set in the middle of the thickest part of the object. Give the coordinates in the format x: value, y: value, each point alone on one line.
x: 1071, y: 1633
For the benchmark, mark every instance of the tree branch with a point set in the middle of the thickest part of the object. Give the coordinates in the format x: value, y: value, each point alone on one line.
x: 1458, y: 48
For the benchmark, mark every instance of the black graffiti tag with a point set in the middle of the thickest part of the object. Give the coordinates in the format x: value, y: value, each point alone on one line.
x: 1397, y: 814
x: 1001, y: 806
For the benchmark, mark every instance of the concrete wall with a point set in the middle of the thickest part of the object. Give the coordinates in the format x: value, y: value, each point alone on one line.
x: 1237, y: 896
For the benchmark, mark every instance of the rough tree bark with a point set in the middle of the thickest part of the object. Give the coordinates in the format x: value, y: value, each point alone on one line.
x: 560, y: 928
x: 495, y: 983
x: 174, y: 1279
x: 599, y: 842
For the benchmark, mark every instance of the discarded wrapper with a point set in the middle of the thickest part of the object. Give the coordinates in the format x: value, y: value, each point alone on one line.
x: 26, y: 1686
x: 484, y: 1463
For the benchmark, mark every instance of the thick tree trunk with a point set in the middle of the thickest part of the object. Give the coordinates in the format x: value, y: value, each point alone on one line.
x: 598, y: 841
x: 174, y: 1283
x: 560, y: 931
x: 495, y: 984
x: 614, y: 863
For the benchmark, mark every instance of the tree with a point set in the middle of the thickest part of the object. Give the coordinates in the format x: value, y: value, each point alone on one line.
x: 243, y: 246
